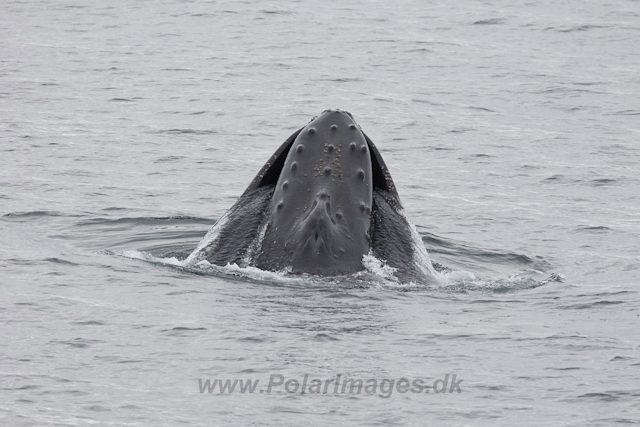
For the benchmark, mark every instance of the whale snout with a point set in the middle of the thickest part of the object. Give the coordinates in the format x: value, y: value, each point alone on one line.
x: 322, y: 242
x: 321, y: 224
x: 332, y: 125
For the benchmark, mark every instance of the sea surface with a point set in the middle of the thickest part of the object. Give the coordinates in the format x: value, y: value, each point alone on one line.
x: 511, y: 130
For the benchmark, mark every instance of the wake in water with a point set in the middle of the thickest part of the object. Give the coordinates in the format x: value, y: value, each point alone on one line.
x: 377, y: 273
x: 166, y: 238
x: 376, y: 270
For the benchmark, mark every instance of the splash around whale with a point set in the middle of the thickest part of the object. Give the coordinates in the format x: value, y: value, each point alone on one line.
x: 323, y: 204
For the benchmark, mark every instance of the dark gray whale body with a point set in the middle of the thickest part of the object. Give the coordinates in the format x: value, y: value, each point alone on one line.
x: 322, y: 202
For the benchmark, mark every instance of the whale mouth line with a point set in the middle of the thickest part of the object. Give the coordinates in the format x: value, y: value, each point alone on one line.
x: 315, y: 246
x: 318, y: 237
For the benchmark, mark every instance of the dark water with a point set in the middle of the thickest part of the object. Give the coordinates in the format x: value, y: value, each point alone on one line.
x: 511, y: 129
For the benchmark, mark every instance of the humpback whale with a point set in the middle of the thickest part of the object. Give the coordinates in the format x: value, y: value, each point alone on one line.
x: 320, y: 205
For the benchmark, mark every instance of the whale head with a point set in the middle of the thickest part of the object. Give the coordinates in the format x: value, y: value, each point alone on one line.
x: 320, y: 203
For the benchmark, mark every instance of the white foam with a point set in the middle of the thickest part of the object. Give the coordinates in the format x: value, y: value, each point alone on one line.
x: 256, y: 246
x: 421, y: 257
x: 145, y: 256
x: 254, y: 273
x: 381, y: 274
x: 457, y: 277
x: 379, y: 268
x: 212, y: 235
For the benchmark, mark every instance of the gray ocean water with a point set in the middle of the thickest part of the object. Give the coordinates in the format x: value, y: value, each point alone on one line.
x: 511, y: 129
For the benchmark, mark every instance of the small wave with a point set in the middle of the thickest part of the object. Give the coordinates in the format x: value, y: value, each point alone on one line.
x: 425, y: 101
x: 627, y: 113
x: 606, y: 294
x: 169, y: 159
x: 461, y: 130
x: 602, y: 181
x: 77, y: 342
x: 476, y: 158
x: 89, y: 323
x: 617, y: 148
x: 60, y: 261
x: 186, y: 131
x: 178, y: 219
x: 529, y: 167
x: 609, y: 396
x: 559, y: 179
x: 492, y: 21
x: 25, y: 216
x: 593, y: 229
x: 575, y: 28
x: 325, y: 337
x: 620, y: 358
x: 275, y: 12
x: 594, y: 304
x: 471, y: 107
x: 343, y: 80
x: 188, y: 291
